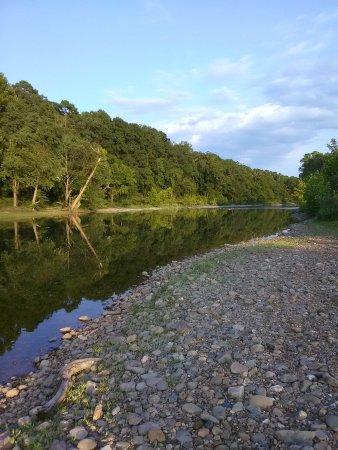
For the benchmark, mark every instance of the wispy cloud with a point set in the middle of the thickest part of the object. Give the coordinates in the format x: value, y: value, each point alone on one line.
x: 140, y: 105
x: 327, y: 16
x: 156, y: 10
x: 228, y: 67
x: 169, y: 100
x: 224, y: 94
x: 305, y: 47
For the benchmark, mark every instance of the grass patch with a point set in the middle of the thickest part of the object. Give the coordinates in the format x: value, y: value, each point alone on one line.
x: 24, y: 213
x: 30, y: 437
x: 77, y: 394
x: 172, y: 380
x: 279, y: 244
x: 324, y: 228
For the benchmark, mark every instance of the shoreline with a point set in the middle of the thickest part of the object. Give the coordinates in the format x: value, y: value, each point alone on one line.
x: 144, y: 298
x: 22, y: 214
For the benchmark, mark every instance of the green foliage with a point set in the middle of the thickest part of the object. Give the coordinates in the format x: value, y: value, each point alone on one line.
x: 320, y: 174
x: 121, y: 179
x: 6, y: 93
x: 160, y: 197
x: 50, y: 149
x: 311, y: 162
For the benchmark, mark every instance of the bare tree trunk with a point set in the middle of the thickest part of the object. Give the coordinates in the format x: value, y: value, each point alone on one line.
x: 67, y: 184
x: 76, y: 202
x: 36, y: 234
x: 35, y: 194
x: 16, y: 236
x: 69, y: 242
x: 67, y: 192
x: 77, y: 223
x: 15, y: 188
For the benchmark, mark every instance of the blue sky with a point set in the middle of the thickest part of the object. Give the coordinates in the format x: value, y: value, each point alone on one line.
x: 252, y: 80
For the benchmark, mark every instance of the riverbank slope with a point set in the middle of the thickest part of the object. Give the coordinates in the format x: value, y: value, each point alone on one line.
x: 231, y: 349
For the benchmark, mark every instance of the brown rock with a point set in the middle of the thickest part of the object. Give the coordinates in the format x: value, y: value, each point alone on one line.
x: 156, y: 435
x: 87, y: 444
x: 12, y: 393
x: 5, y: 441
x: 238, y: 368
x: 261, y: 401
x: 98, y: 412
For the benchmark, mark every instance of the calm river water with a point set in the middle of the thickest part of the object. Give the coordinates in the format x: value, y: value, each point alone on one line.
x: 53, y: 271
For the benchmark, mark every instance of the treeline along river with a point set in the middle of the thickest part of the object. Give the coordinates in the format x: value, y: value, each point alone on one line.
x: 53, y: 271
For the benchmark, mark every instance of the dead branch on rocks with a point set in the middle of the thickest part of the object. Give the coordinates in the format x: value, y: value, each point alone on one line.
x: 70, y: 369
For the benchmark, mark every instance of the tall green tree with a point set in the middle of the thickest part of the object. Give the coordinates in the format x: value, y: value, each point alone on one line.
x: 121, y: 180
x: 320, y: 174
x: 17, y: 163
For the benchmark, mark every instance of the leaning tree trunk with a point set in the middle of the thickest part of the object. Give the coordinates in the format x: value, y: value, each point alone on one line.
x: 76, y: 202
x: 35, y: 194
x: 15, y: 188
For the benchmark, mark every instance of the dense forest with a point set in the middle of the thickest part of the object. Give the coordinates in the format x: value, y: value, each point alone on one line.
x: 50, y: 154
x: 318, y: 188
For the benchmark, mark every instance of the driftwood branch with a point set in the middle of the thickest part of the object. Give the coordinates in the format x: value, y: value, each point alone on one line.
x: 70, y: 369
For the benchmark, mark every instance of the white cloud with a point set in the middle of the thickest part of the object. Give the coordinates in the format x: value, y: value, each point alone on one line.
x: 225, y: 67
x: 264, y: 136
x: 140, y: 104
x: 306, y: 83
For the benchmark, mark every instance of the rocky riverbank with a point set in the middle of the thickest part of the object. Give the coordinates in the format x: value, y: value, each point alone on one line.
x: 234, y: 349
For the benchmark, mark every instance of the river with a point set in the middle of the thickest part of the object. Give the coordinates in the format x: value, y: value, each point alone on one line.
x: 54, y: 270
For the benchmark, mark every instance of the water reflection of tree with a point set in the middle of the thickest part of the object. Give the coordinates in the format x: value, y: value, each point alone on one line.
x: 53, y: 264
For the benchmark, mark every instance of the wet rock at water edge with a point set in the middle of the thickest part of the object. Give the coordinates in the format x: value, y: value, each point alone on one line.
x: 67, y: 336
x: 84, y: 318
x: 12, y: 393
x: 65, y: 330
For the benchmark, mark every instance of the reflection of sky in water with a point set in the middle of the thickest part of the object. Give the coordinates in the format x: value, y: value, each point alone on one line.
x: 44, y: 278
x: 19, y: 360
